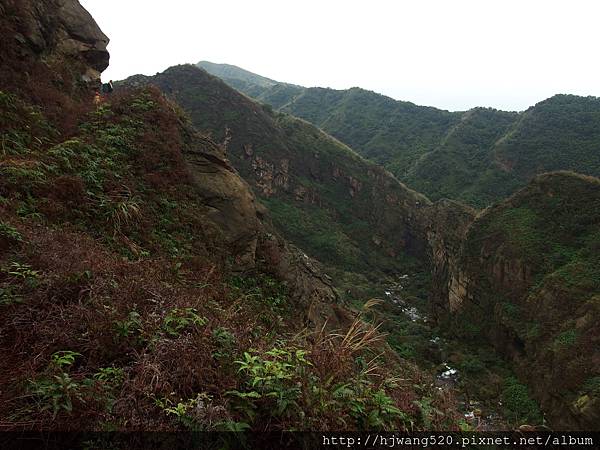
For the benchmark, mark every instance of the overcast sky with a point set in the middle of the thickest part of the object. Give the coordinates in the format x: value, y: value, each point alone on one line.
x: 452, y: 54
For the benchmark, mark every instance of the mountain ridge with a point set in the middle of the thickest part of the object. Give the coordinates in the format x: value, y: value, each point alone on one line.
x: 445, y: 233
x: 407, y: 138
x: 145, y: 283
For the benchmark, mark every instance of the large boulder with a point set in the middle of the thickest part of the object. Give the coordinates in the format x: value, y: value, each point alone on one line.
x: 58, y: 32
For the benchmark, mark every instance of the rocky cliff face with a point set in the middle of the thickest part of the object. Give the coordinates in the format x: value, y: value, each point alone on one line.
x: 232, y: 209
x: 445, y: 224
x: 53, y: 32
x: 526, y: 278
x: 367, y: 220
x: 44, y: 36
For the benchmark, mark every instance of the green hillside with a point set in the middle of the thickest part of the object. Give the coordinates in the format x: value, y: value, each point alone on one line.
x: 560, y: 133
x: 394, y: 134
x: 339, y: 208
x: 461, y: 166
x: 531, y: 267
x: 384, y: 130
x: 256, y: 86
x: 479, y: 156
x: 491, y: 153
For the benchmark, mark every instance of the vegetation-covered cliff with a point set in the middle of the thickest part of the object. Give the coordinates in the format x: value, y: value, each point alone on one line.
x: 341, y: 209
x: 527, y: 280
x: 478, y: 157
x: 141, y: 288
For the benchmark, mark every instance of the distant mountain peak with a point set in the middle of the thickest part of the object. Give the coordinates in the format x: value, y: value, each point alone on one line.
x: 229, y: 71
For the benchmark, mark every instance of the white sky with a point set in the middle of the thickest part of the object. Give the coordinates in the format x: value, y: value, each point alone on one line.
x: 452, y: 54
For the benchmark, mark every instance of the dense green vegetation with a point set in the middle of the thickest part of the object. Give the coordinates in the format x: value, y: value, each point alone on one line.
x: 324, y: 197
x: 460, y: 165
x: 551, y: 224
x: 490, y: 154
x: 538, y: 296
x: 560, y: 133
x: 518, y: 403
x: 394, y: 134
x: 479, y: 157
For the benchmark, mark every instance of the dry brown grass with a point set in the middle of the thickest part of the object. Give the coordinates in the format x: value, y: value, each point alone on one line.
x: 89, y: 299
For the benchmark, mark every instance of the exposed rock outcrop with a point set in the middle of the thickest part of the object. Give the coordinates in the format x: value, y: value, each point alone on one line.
x: 57, y: 31
x: 445, y: 224
x: 524, y: 275
x: 61, y: 34
x: 232, y: 206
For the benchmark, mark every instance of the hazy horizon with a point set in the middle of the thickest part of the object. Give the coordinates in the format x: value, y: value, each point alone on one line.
x: 452, y: 55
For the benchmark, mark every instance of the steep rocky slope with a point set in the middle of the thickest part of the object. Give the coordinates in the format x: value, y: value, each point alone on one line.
x: 140, y: 287
x: 63, y: 34
x: 526, y: 279
x: 341, y: 209
x: 548, y: 224
x: 478, y: 157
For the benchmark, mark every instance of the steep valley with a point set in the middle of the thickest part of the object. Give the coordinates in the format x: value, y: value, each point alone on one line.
x: 176, y: 256
x: 433, y: 237
x: 527, y: 279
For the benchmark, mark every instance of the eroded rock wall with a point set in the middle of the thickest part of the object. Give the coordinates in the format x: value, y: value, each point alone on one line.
x: 54, y: 50
x: 524, y: 277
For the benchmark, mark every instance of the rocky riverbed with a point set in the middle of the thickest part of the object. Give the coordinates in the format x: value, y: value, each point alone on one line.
x: 479, y: 414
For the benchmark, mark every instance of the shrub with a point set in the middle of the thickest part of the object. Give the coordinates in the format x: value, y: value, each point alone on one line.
x: 178, y: 320
x: 565, y: 339
x: 225, y: 342
x: 472, y: 365
x: 518, y: 404
x: 130, y: 326
x: 8, y: 232
x: 58, y: 390
x: 271, y: 378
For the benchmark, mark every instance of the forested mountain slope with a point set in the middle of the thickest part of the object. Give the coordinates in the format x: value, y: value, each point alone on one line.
x: 340, y: 208
x: 527, y: 278
x: 479, y: 156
